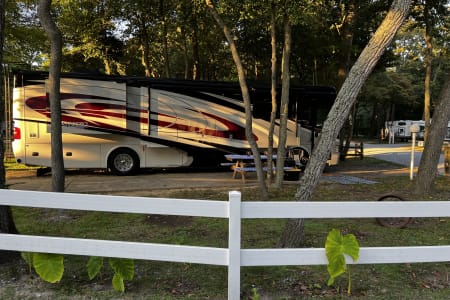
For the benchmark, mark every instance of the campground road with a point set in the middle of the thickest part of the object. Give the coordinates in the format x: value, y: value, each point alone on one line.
x: 102, y: 182
x: 398, y: 153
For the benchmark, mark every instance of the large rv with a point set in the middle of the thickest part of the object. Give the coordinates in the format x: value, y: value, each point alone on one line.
x: 126, y: 123
x: 402, y: 129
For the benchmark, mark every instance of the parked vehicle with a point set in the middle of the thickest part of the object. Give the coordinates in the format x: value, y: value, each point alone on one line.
x: 401, y: 129
x: 126, y: 123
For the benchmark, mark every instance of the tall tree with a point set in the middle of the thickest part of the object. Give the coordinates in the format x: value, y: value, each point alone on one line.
x: 7, y: 224
x: 163, y: 12
x: 90, y: 33
x: 345, y: 30
x: 428, y: 15
x: 273, y: 86
x: 433, y: 144
x: 293, y: 235
x: 245, y: 95
x: 284, y: 105
x: 57, y: 163
x: 428, y: 61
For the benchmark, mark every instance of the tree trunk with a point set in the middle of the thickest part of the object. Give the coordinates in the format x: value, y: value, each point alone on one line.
x: 195, y: 45
x: 246, y: 97
x: 345, y: 99
x: 164, y: 37
x: 273, y: 113
x: 185, y: 53
x: 145, y: 48
x: 7, y: 224
x: 54, y: 94
x: 346, y: 133
x: 428, y: 61
x: 431, y: 153
x: 284, y: 106
x: 2, y: 99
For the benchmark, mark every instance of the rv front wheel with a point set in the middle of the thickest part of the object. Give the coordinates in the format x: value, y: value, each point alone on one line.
x: 123, y: 162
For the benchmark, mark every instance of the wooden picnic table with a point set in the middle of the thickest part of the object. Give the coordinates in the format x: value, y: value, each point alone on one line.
x: 243, y: 163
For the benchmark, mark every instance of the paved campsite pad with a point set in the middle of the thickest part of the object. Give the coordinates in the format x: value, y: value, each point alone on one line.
x: 344, y: 179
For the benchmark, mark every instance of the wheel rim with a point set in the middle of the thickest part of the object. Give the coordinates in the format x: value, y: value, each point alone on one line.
x: 393, y: 222
x: 123, y: 162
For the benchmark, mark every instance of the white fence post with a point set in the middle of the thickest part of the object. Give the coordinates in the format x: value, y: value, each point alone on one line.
x: 234, y: 246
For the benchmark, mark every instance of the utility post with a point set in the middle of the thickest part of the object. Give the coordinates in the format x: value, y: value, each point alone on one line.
x: 414, y: 130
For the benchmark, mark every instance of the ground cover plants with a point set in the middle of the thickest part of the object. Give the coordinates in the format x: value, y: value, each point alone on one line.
x: 162, y: 280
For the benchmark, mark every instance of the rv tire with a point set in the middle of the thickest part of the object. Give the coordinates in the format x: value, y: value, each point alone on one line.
x: 123, y: 161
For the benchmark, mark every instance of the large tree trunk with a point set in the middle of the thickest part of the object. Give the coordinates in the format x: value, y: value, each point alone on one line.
x: 54, y: 93
x: 2, y: 99
x: 273, y: 90
x: 145, y: 47
x: 196, y: 75
x: 164, y: 39
x: 293, y: 235
x: 344, y: 65
x: 284, y: 106
x: 431, y: 153
x: 6, y: 218
x: 246, y: 97
x: 428, y: 61
x: 7, y: 226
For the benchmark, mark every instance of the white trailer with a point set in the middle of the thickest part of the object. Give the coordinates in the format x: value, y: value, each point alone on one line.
x: 402, y: 129
x: 127, y: 123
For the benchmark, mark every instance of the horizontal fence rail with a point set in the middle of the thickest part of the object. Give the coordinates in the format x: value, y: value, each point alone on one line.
x: 234, y: 257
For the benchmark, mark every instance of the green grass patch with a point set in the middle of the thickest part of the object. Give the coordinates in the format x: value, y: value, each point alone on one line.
x: 164, y: 280
x: 12, y: 165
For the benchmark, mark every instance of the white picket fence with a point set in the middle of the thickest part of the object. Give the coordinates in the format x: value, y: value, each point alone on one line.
x: 234, y: 257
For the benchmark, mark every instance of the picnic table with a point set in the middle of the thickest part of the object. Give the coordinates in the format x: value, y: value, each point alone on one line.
x: 244, y: 163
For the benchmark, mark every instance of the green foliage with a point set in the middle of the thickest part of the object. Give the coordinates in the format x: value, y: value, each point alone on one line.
x: 50, y: 267
x: 255, y: 294
x: 94, y: 266
x: 336, y: 247
x: 123, y: 270
x: 122, y: 266
x: 28, y: 258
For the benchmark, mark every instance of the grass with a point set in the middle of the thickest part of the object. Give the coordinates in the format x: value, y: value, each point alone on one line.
x: 163, y: 280
x: 12, y: 165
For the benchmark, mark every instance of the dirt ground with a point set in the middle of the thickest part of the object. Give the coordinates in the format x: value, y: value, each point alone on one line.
x: 163, y: 180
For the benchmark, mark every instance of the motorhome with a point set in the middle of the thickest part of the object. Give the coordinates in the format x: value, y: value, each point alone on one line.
x: 402, y: 129
x: 124, y: 123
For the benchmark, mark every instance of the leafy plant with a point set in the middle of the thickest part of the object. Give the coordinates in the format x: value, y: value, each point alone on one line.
x: 50, y: 267
x: 255, y: 294
x: 28, y: 257
x: 123, y: 270
x: 336, y: 247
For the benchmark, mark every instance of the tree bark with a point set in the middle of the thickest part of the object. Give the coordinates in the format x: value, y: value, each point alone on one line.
x: 54, y: 35
x: 196, y: 75
x: 284, y: 106
x: 164, y: 39
x: 7, y: 224
x: 246, y: 97
x: 432, y: 150
x: 428, y: 61
x: 293, y: 235
x: 344, y: 66
x: 2, y: 99
x: 273, y: 90
x: 145, y: 47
